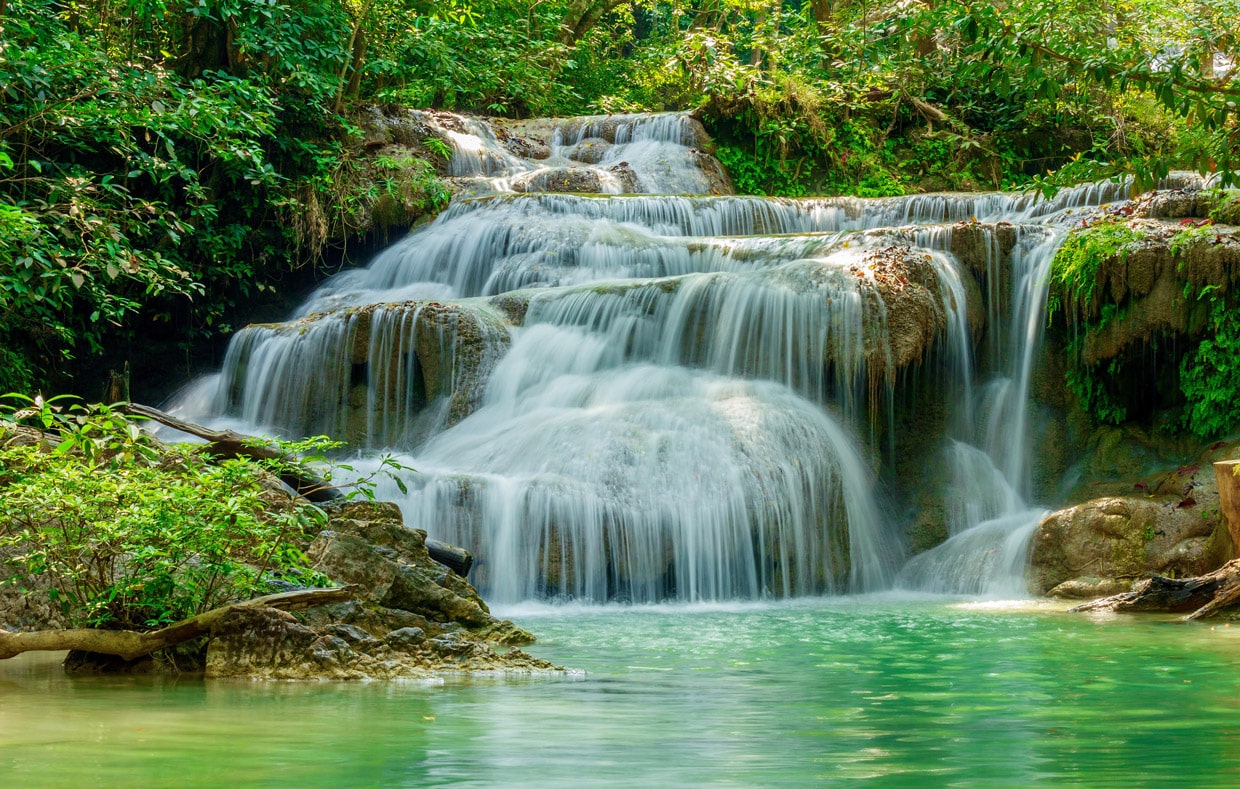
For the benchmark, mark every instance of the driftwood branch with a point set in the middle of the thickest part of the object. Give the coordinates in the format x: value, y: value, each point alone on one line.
x: 1197, y: 598
x: 231, y: 444
x: 130, y: 644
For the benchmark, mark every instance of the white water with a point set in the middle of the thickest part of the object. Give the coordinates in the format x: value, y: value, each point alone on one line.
x: 651, y: 154
x: 689, y: 403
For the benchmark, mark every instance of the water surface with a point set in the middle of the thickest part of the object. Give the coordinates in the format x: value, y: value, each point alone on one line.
x: 812, y: 692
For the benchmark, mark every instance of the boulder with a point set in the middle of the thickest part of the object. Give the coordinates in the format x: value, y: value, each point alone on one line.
x: 591, y: 150
x: 1100, y: 546
x: 578, y: 180
x: 912, y: 316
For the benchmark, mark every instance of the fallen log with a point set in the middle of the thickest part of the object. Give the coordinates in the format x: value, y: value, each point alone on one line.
x: 131, y: 644
x: 1198, y: 598
x: 457, y: 559
x: 231, y: 444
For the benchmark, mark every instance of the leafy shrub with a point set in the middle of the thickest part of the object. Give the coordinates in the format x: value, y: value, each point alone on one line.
x: 1093, y: 393
x: 1210, y: 374
x: 124, y: 534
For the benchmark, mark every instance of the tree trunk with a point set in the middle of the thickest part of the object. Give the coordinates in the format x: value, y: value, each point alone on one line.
x: 826, y: 18
x: 350, y: 75
x: 456, y: 559
x: 581, y: 17
x: 230, y: 444
x: 765, y: 53
x: 1229, y: 499
x: 130, y: 644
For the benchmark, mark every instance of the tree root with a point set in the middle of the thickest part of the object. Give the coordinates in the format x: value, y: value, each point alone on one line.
x: 130, y: 644
x: 1197, y: 598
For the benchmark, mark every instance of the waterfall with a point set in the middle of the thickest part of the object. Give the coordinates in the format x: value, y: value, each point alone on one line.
x: 990, y: 519
x: 673, y: 394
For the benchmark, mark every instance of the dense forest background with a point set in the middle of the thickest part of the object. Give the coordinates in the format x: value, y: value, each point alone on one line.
x: 166, y: 165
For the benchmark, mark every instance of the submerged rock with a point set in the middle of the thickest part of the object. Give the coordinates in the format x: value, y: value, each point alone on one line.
x: 269, y: 644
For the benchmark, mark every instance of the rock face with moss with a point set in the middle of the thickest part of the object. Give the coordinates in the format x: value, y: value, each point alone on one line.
x: 1145, y: 308
x: 413, y: 617
x: 1144, y: 334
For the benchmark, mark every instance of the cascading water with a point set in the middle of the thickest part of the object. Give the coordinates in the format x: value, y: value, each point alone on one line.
x: 989, y: 519
x: 649, y: 397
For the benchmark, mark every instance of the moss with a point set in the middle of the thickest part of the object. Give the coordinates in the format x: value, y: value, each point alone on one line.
x: 1077, y: 268
x: 1227, y: 209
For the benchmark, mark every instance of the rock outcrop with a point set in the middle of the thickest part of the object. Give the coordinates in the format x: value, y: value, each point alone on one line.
x: 403, y: 614
x: 389, y: 365
x: 412, y: 617
x: 914, y: 315
x: 1154, y: 281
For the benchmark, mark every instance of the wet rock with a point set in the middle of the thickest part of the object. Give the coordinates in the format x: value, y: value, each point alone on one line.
x: 394, y: 581
x: 269, y: 644
x: 1090, y: 587
x: 413, y: 617
x: 906, y: 282
x: 718, y: 182
x: 690, y: 131
x: 590, y: 151
x: 979, y: 244
x: 392, y: 364
x: 526, y: 147
x: 619, y: 178
x: 568, y: 180
x: 1118, y: 540
x: 1171, y: 204
x: 406, y: 636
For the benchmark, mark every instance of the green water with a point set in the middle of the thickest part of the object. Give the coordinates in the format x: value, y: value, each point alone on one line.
x: 907, y: 693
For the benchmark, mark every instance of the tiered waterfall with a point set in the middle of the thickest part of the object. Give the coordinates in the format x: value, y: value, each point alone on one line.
x: 692, y: 397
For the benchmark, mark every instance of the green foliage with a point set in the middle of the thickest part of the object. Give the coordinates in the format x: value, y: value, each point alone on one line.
x: 1076, y: 269
x: 501, y: 58
x: 1187, y: 237
x: 1075, y: 282
x: 118, y: 143
x: 1210, y: 373
x: 109, y: 183
x: 1094, y: 395
x: 164, y: 162
x: 120, y: 533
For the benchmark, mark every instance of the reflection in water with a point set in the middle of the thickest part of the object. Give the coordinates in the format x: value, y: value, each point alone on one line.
x: 792, y: 694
